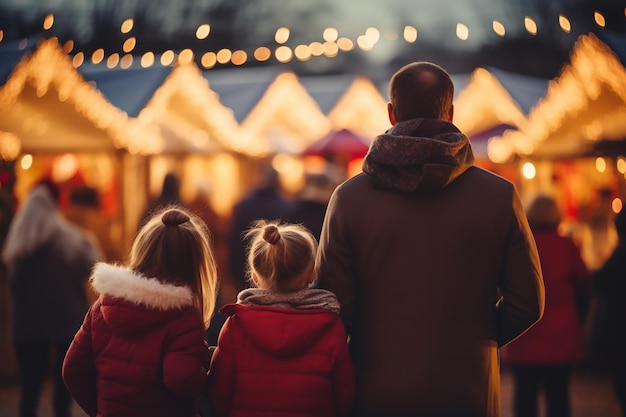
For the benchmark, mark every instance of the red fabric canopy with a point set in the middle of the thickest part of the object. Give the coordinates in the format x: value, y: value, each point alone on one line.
x: 342, y: 142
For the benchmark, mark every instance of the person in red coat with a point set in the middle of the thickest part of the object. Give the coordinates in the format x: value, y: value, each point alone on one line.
x: 141, y: 351
x: 544, y: 355
x: 283, y: 349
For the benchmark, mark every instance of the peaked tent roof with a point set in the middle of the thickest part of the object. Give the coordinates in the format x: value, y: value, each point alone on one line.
x: 12, y: 51
x: 284, y: 113
x: 494, y: 97
x: 584, y: 105
x: 128, y: 89
x: 361, y: 109
x: 51, y: 108
x: 191, y: 118
x: 241, y: 89
x: 326, y: 90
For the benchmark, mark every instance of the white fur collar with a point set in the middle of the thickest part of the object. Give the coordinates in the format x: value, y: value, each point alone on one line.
x: 121, y: 282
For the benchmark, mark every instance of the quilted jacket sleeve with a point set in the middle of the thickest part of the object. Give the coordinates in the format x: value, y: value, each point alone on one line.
x: 79, y: 371
x: 222, y: 373
x: 186, y: 357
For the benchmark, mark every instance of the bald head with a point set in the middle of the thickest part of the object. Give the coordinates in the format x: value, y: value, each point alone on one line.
x: 420, y: 90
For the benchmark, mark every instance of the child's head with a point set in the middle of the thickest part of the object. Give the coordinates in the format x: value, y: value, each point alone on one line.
x: 281, y: 257
x: 173, y: 246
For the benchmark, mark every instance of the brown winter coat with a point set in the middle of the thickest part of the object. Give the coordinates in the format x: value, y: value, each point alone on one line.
x: 418, y: 248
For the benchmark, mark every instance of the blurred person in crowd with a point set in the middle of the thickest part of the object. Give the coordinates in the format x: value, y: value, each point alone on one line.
x: 48, y: 260
x: 432, y: 260
x: 170, y: 195
x: 141, y: 350
x: 309, y: 208
x: 265, y: 202
x: 542, y: 358
x: 283, y: 350
x: 609, y: 337
x: 84, y: 209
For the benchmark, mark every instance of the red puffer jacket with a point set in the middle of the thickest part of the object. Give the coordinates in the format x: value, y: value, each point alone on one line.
x: 281, y: 361
x: 140, y: 351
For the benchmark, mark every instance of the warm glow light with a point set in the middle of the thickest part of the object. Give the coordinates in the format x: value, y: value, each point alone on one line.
x: 10, y: 146
x: 565, y: 24
x: 373, y: 35
x: 68, y: 46
x: 203, y: 31
x: 462, y: 31
x: 208, y: 60
x: 599, y: 18
x: 167, y: 58
x: 345, y: 44
x: 529, y: 171
x: 239, y: 57
x: 127, y: 25
x: 185, y: 56
x: 78, y: 59
x: 262, y: 53
x: 283, y: 54
x: 617, y: 205
x: 410, y: 34
x: 126, y: 61
x: 129, y: 44
x: 223, y: 56
x: 113, y: 60
x: 331, y: 49
x: 48, y: 22
x: 282, y: 35
x: 64, y: 167
x: 330, y: 34
x: 1, y: 35
x: 499, y: 28
x: 317, y: 48
x: 530, y: 25
x: 97, y: 56
x: 302, y: 52
x: 600, y: 164
x: 147, y: 60
x: 621, y: 165
x: 364, y: 43
x: 26, y: 162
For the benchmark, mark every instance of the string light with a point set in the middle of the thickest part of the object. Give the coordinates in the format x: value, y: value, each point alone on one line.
x: 147, y: 60
x: 462, y: 31
x: 330, y: 48
x: 499, y: 28
x: 530, y: 25
x: 127, y: 25
x: 599, y: 18
x: 48, y: 22
x: 97, y: 56
x: 565, y: 24
x: 410, y: 34
x: 203, y: 31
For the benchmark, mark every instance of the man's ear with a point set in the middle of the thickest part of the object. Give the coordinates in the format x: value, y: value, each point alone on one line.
x: 392, y: 117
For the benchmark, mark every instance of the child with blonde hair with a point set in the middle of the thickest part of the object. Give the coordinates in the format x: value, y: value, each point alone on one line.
x: 283, y: 349
x: 141, y: 349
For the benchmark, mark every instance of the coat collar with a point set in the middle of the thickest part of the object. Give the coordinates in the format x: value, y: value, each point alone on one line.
x: 124, y: 283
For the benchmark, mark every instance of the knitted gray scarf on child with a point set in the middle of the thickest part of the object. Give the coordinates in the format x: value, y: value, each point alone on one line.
x: 306, y: 299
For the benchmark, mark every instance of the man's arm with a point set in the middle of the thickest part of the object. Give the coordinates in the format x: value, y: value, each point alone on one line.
x: 521, y: 285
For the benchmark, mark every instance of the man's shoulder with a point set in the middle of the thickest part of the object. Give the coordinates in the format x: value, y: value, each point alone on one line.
x: 485, y: 176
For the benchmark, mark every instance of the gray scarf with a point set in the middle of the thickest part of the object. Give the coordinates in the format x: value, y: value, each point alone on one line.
x: 306, y: 299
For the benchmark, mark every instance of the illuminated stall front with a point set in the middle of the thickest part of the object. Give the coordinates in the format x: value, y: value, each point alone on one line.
x: 68, y: 131
x: 572, y: 145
